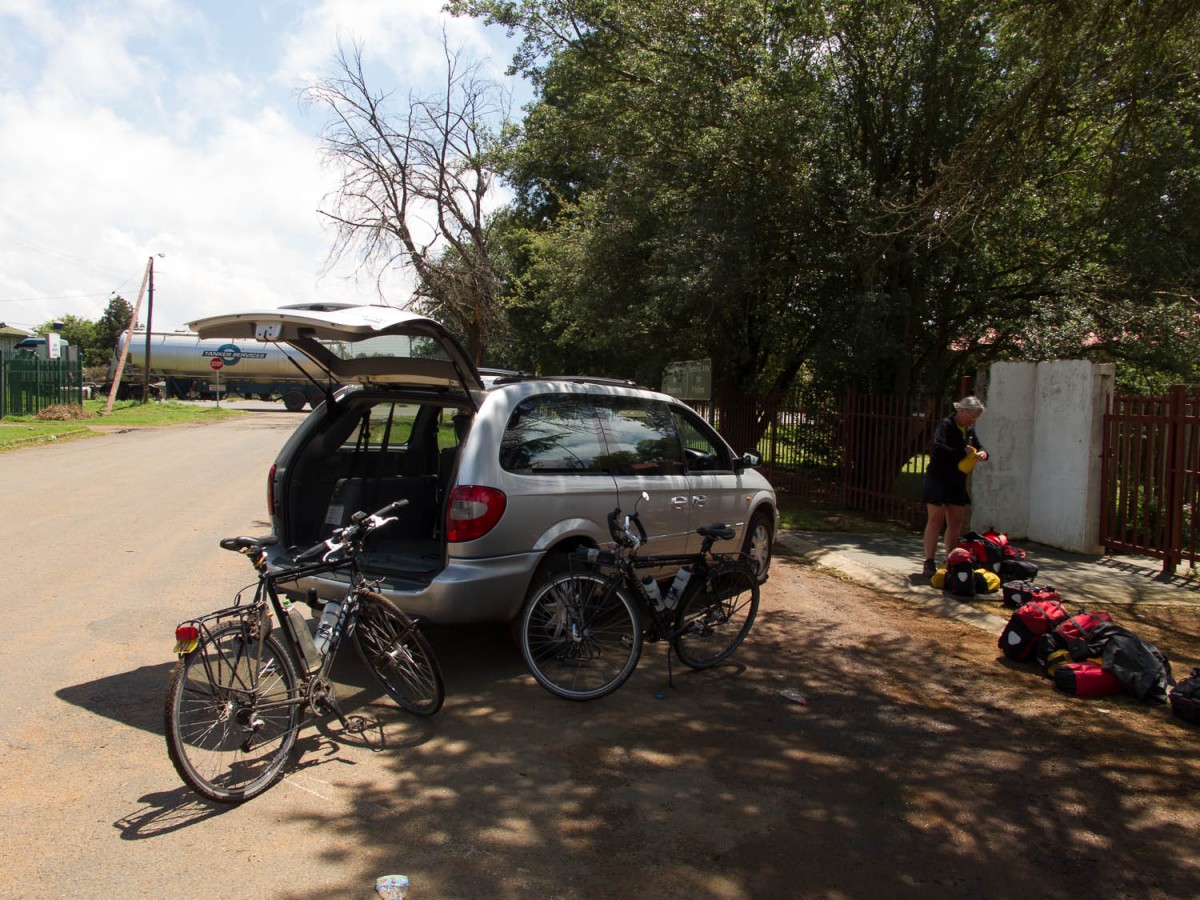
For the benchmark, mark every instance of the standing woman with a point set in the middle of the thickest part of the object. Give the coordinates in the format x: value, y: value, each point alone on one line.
x: 955, y: 450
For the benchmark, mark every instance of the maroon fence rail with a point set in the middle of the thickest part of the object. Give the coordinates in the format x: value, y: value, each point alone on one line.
x: 1150, y: 502
x: 863, y: 453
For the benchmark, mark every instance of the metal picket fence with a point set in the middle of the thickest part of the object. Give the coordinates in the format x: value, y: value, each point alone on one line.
x: 858, y: 452
x: 29, y: 384
x: 1150, y: 473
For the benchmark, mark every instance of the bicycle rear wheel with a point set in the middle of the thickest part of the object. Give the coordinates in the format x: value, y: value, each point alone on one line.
x: 716, y: 616
x: 398, y: 656
x: 581, y: 636
x: 229, y: 724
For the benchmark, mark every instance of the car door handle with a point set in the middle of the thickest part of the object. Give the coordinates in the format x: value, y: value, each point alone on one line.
x: 699, y: 500
x: 679, y: 502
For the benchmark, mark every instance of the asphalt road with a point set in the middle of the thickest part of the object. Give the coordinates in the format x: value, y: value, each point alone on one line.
x: 109, y: 542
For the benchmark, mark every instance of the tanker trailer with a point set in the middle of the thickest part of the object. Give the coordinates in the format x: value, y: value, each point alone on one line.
x: 183, y: 362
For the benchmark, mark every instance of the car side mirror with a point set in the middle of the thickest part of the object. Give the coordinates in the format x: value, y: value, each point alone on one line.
x: 749, y: 459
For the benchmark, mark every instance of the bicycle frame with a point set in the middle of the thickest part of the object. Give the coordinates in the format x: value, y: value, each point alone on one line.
x: 266, y: 596
x: 625, y: 561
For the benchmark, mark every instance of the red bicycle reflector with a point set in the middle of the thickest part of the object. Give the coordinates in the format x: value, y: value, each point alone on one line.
x: 187, y: 638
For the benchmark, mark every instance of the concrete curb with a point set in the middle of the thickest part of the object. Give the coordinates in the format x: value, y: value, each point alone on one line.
x: 890, y: 563
x: 887, y: 582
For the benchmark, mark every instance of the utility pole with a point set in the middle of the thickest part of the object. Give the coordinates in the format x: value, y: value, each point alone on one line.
x: 116, y: 382
x: 149, y: 323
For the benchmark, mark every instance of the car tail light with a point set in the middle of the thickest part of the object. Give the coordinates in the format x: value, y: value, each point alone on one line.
x: 473, y: 511
x: 271, y: 492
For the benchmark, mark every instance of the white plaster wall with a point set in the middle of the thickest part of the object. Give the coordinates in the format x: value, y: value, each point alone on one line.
x: 1000, y: 487
x: 1048, y: 417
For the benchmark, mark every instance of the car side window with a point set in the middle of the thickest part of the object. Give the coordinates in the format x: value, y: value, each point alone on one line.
x: 553, y: 433
x: 383, y: 426
x: 703, y: 451
x: 641, y: 437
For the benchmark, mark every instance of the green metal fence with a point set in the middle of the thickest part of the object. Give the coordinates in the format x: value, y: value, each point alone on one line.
x: 29, y: 385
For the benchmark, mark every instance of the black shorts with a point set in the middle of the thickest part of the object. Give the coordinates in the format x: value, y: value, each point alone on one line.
x: 945, y: 492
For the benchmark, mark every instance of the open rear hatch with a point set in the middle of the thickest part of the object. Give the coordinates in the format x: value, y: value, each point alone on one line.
x: 375, y: 346
x: 384, y: 443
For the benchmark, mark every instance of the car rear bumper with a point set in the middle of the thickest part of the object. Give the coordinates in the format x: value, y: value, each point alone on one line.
x: 466, y: 591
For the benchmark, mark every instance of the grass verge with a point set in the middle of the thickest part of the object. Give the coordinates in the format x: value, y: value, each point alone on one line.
x: 797, y: 514
x: 71, y: 423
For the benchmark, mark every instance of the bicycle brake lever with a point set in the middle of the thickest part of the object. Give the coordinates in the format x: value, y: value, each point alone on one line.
x: 315, y: 550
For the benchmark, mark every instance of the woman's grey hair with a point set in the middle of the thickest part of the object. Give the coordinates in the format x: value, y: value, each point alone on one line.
x: 970, y: 404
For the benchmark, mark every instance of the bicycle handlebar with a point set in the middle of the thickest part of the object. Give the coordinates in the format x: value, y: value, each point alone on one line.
x: 623, y: 534
x: 353, y: 534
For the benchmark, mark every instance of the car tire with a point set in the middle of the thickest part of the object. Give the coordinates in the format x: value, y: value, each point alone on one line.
x: 759, y: 541
x: 555, y: 563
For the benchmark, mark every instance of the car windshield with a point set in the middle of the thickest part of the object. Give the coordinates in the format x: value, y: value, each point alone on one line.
x: 390, y: 345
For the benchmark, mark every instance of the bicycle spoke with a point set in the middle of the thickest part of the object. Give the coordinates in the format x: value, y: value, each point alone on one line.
x: 231, y: 715
x: 715, y: 617
x: 398, y: 656
x: 580, y: 639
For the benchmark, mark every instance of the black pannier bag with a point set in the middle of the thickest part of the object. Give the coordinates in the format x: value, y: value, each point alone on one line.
x: 1185, y: 698
x: 960, y: 573
x: 1017, y: 570
x: 1018, y: 593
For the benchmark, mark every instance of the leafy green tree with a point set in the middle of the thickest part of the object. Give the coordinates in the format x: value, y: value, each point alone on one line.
x: 881, y: 195
x: 77, y: 331
x: 111, y: 324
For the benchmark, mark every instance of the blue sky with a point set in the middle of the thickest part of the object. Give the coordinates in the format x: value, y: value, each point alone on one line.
x: 130, y: 128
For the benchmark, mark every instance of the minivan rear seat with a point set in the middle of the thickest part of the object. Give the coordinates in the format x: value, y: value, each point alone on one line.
x: 415, y: 521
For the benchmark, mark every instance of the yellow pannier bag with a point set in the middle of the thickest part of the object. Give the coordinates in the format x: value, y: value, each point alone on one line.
x: 992, y: 579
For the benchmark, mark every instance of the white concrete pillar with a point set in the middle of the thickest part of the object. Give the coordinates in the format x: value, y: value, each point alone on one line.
x: 1048, y: 418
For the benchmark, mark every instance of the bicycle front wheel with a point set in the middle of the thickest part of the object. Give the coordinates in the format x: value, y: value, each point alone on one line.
x: 580, y: 636
x: 398, y: 656
x: 232, y: 713
x: 716, y: 616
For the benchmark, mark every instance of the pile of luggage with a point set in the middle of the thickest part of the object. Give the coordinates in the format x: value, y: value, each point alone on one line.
x: 1085, y: 653
x: 981, y: 563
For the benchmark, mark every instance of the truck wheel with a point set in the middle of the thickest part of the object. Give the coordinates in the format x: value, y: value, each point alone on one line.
x: 294, y: 401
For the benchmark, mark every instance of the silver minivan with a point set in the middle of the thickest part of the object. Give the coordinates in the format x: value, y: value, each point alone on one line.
x: 504, y: 473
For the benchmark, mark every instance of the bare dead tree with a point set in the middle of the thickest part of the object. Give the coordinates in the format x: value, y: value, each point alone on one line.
x: 415, y: 186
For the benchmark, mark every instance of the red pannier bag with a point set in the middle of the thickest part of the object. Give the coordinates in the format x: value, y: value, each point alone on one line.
x: 1027, y: 624
x: 1086, y: 679
x: 986, y: 551
x: 1076, y: 632
x: 1018, y: 593
x: 1007, y: 550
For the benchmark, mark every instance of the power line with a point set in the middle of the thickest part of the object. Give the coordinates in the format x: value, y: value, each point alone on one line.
x: 59, y: 297
x: 49, y: 251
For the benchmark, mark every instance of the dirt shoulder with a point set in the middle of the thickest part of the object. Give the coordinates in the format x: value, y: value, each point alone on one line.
x: 933, y: 764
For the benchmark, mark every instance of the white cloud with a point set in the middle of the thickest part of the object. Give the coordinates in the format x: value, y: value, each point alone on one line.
x: 405, y: 37
x: 143, y: 126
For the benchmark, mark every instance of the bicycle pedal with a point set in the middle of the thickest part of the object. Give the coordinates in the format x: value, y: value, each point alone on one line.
x: 358, y: 724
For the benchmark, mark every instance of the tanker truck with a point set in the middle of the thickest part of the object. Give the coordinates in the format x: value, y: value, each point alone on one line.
x: 182, y: 366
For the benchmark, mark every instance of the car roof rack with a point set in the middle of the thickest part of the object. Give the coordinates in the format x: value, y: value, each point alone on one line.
x: 515, y: 377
